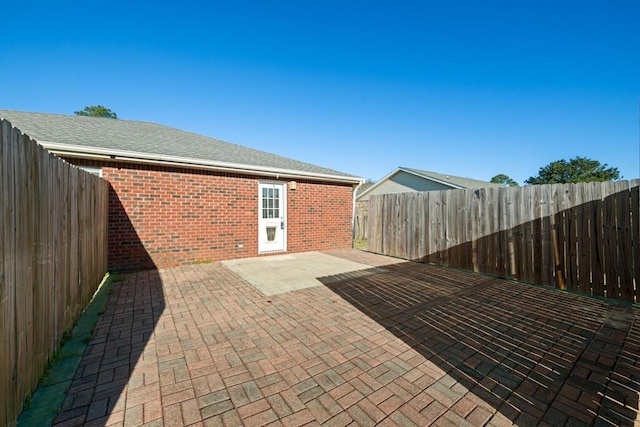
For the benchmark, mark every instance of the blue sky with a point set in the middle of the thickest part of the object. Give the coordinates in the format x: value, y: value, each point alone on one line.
x: 469, y: 88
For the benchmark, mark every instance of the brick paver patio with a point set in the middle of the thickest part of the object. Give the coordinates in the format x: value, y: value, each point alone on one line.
x: 413, y: 345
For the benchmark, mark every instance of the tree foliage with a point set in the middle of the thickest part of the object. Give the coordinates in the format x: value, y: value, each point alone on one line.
x: 504, y: 180
x: 575, y: 170
x: 368, y: 183
x: 97, y: 111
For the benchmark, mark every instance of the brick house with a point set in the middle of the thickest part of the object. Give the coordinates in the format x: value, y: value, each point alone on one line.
x: 177, y: 197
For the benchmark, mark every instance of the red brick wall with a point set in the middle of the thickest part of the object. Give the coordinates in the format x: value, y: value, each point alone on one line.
x: 319, y: 216
x: 160, y: 217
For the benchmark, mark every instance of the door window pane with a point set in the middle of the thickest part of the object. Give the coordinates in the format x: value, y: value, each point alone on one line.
x: 270, y: 203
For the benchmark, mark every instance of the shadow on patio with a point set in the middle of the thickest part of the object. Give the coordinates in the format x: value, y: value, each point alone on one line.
x: 122, y: 350
x: 534, y: 354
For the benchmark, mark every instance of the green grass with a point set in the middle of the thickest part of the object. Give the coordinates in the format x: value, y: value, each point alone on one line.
x: 41, y: 406
x: 360, y: 244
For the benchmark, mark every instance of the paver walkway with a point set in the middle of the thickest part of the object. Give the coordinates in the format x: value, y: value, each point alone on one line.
x: 413, y: 345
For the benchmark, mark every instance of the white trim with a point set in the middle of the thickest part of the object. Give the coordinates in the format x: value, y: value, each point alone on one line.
x: 77, y: 151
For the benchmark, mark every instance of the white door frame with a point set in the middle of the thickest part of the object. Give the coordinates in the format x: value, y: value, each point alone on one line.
x: 272, y: 216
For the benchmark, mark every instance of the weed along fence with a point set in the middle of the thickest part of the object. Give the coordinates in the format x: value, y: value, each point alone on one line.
x: 53, y: 255
x: 581, y: 237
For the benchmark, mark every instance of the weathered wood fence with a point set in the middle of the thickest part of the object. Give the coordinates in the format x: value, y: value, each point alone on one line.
x: 53, y: 255
x: 360, y: 228
x: 582, y: 237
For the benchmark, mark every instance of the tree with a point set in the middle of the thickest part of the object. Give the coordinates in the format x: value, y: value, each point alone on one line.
x: 504, y: 180
x: 97, y: 111
x: 575, y: 170
x: 368, y: 183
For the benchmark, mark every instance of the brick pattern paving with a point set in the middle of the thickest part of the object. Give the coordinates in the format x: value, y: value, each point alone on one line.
x: 413, y: 345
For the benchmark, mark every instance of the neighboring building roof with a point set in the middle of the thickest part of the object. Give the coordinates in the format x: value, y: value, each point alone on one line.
x: 445, y: 181
x: 454, y: 181
x: 145, y: 142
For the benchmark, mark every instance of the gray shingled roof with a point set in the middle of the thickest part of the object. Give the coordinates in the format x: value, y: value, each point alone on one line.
x: 455, y: 180
x: 145, y: 138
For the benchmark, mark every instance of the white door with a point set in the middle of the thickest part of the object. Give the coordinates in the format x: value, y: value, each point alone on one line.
x: 272, y: 224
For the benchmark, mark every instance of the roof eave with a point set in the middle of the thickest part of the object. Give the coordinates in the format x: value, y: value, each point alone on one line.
x: 96, y: 153
x: 374, y: 186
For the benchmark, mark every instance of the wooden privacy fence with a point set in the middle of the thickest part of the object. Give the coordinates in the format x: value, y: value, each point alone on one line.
x: 53, y: 255
x: 583, y: 237
x: 360, y: 227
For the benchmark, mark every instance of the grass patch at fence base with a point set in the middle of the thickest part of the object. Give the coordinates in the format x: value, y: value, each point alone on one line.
x: 360, y: 244
x: 45, y: 402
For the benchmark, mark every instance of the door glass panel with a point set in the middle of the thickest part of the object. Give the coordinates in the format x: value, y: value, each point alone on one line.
x: 270, y: 203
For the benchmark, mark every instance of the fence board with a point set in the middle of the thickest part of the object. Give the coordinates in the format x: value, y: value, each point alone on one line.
x: 447, y: 215
x: 505, y: 243
x: 495, y: 253
x: 472, y: 228
x: 373, y: 237
x: 21, y: 268
x: 625, y: 245
x: 608, y: 227
x: 583, y: 238
x: 8, y: 300
x: 517, y: 234
x: 421, y: 226
x: 387, y: 219
x: 43, y: 283
x: 547, y: 267
x: 598, y: 276
x: 453, y: 230
x: 435, y: 227
x: 402, y: 230
x: 459, y: 238
x: 413, y: 242
x: 523, y: 257
x: 30, y: 227
x: 571, y: 239
x: 463, y: 224
x: 409, y: 223
x: 635, y: 235
x: 73, y: 235
x: 536, y: 235
x: 41, y: 309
